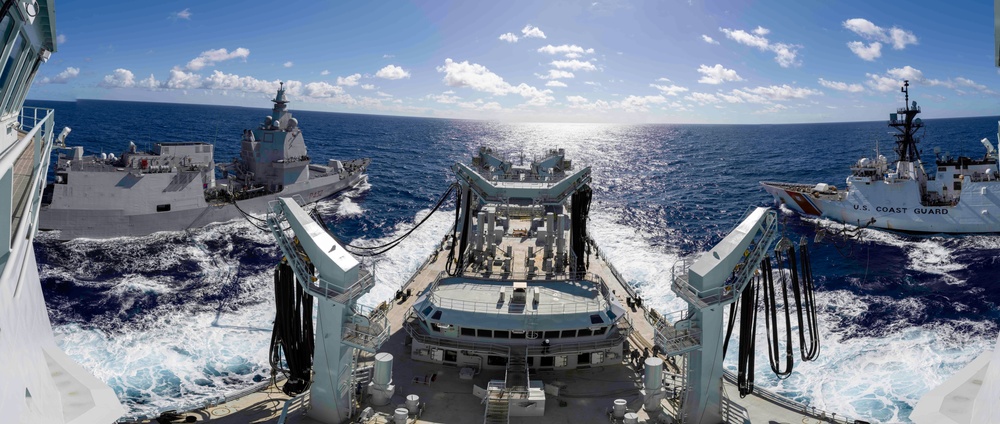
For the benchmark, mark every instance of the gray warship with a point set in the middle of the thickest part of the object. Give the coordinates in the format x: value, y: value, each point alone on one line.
x: 174, y: 186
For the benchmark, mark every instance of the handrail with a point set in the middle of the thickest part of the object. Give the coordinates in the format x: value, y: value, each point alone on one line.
x: 792, y: 405
x: 414, y: 331
x: 599, y: 303
x: 42, y: 129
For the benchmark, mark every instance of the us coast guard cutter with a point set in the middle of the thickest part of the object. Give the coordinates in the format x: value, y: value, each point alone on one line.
x: 173, y: 187
x: 963, y: 196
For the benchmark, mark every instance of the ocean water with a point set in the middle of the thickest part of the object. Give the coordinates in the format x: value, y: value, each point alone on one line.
x: 175, y: 319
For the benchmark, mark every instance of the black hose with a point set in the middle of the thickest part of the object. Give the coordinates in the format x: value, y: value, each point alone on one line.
x: 466, y: 223
x: 395, y: 242
x: 808, y: 345
x: 449, y: 266
x: 771, y: 320
x: 293, y: 331
x: 748, y: 337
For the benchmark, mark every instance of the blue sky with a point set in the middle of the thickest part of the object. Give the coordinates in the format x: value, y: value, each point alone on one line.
x: 551, y: 61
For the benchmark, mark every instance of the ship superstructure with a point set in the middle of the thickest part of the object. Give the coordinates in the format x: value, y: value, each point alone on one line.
x: 39, y: 383
x: 517, y: 317
x: 962, y: 197
x: 173, y: 186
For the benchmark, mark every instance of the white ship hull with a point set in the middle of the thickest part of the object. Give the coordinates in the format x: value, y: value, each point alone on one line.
x: 896, y: 206
x: 126, y: 222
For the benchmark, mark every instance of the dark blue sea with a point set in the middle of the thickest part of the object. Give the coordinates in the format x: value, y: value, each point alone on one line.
x: 176, y: 319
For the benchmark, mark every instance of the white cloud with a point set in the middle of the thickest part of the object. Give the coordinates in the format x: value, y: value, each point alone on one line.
x: 869, y: 52
x: 388, y: 56
x: 120, y: 78
x: 288, y: 64
x: 532, y: 32
x: 574, y: 64
x: 671, y: 90
x: 784, y: 92
x: 383, y: 94
x: 180, y: 79
x: 708, y: 39
x: 785, y: 54
x: 368, y: 86
x: 349, y: 81
x: 479, y: 78
x: 639, y: 103
x: 898, y: 37
x: 322, y: 90
x: 150, y: 83
x: 841, y: 86
x: 509, y: 37
x: 702, y: 98
x: 211, y: 57
x: 392, y: 72
x: 61, y: 78
x: 717, y: 74
x: 555, y: 83
x: 61, y: 38
x: 325, y: 72
x: 893, y: 78
x: 566, y: 49
x: 576, y: 99
x: 556, y: 74
x: 447, y: 97
x: 184, y: 14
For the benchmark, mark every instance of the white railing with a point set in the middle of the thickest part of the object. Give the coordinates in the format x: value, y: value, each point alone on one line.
x: 41, y: 132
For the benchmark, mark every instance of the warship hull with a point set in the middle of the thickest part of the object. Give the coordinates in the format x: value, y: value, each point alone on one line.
x: 896, y: 206
x: 107, y: 223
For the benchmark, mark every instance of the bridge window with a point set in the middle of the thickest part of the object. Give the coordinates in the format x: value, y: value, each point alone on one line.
x: 468, y: 331
x: 163, y: 208
x: 551, y: 335
x: 484, y: 333
x: 501, y: 334
x: 584, y: 332
x: 568, y: 333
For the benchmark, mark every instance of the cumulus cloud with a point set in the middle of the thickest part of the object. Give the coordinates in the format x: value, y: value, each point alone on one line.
x: 184, y: 14
x: 211, y: 57
x: 479, y: 78
x: 868, y: 52
x: 532, y: 32
x: 717, y: 74
x: 325, y: 72
x: 181, y: 79
x: 509, y: 37
x: 556, y: 74
x: 61, y: 38
x: 349, y: 81
x: 757, y: 95
x: 576, y: 65
x: 670, y: 90
x: 785, y: 54
x: 322, y: 90
x: 784, y: 92
x: 392, y: 72
x: 149, y: 83
x: 120, y: 78
x: 893, y: 78
x: 62, y: 77
x: 566, y: 49
x: 708, y: 39
x: 368, y: 86
x: 289, y: 64
x: 841, y: 86
x: 555, y: 83
x: 898, y: 37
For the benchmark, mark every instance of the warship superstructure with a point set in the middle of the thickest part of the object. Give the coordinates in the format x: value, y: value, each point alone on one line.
x: 962, y: 197
x: 39, y: 383
x: 173, y: 187
x: 515, y: 317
